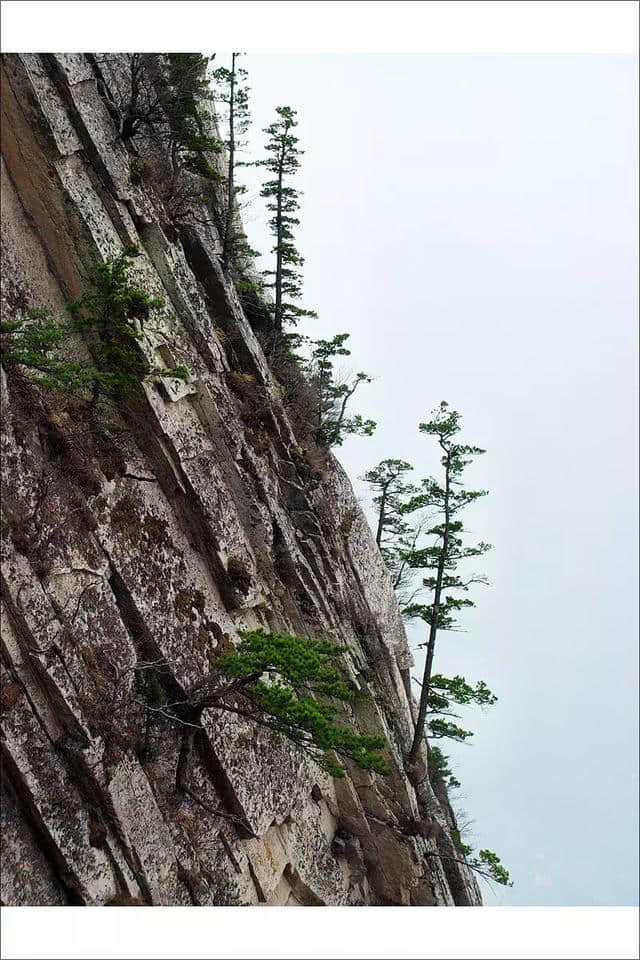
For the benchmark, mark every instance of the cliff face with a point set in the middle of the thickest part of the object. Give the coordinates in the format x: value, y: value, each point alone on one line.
x: 203, y: 517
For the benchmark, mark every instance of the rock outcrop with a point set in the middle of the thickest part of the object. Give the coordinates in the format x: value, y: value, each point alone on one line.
x: 205, y: 517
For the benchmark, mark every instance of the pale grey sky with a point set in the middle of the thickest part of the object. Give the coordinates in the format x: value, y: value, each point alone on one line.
x: 472, y: 222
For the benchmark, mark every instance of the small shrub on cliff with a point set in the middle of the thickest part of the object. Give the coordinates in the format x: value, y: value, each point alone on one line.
x: 117, y: 311
x: 333, y: 393
x: 28, y: 346
x: 113, y: 314
x: 439, y: 770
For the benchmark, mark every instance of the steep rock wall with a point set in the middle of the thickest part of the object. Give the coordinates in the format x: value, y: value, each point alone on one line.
x: 204, y: 518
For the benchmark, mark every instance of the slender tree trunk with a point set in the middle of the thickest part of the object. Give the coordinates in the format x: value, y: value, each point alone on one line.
x: 321, y: 404
x: 230, y: 169
x: 278, y: 285
x: 317, y: 374
x: 343, y: 408
x: 381, y: 515
x: 129, y: 120
x: 419, y: 734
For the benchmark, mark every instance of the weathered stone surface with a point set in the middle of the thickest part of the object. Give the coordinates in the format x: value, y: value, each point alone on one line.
x: 199, y: 522
x: 26, y: 876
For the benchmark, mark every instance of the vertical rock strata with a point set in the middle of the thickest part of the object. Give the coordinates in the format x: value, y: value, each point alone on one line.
x: 201, y: 521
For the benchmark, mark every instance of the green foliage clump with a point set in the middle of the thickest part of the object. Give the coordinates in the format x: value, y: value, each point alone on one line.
x: 395, y: 537
x: 332, y: 424
x: 440, y: 728
x: 117, y: 312
x: 439, y: 769
x: 29, y: 347
x: 446, y: 691
x: 286, y: 680
x: 114, y: 312
x: 488, y: 864
x: 186, y: 85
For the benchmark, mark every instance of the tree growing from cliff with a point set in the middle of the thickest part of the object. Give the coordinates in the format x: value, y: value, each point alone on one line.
x: 162, y: 96
x: 486, y: 864
x: 185, y: 84
x: 233, y: 93
x: 113, y: 314
x: 162, y: 104
x: 333, y: 393
x: 290, y: 685
x: 30, y: 347
x: 395, y: 537
x: 444, y: 499
x: 282, y: 163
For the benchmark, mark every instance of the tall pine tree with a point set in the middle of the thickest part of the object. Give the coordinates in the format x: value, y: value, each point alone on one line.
x: 282, y: 163
x: 233, y: 93
x: 446, y: 499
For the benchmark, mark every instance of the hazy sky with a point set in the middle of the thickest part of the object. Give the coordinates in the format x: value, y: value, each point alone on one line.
x: 471, y: 221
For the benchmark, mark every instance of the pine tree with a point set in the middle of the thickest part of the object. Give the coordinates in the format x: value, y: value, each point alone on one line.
x: 282, y: 201
x: 184, y: 86
x: 334, y: 393
x: 30, y: 348
x: 487, y: 864
x: 445, y: 552
x: 232, y: 91
x: 113, y: 313
x: 289, y: 684
x: 117, y: 311
x: 394, y: 535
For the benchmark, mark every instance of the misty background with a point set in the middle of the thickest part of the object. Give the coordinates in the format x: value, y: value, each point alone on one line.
x: 471, y: 221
